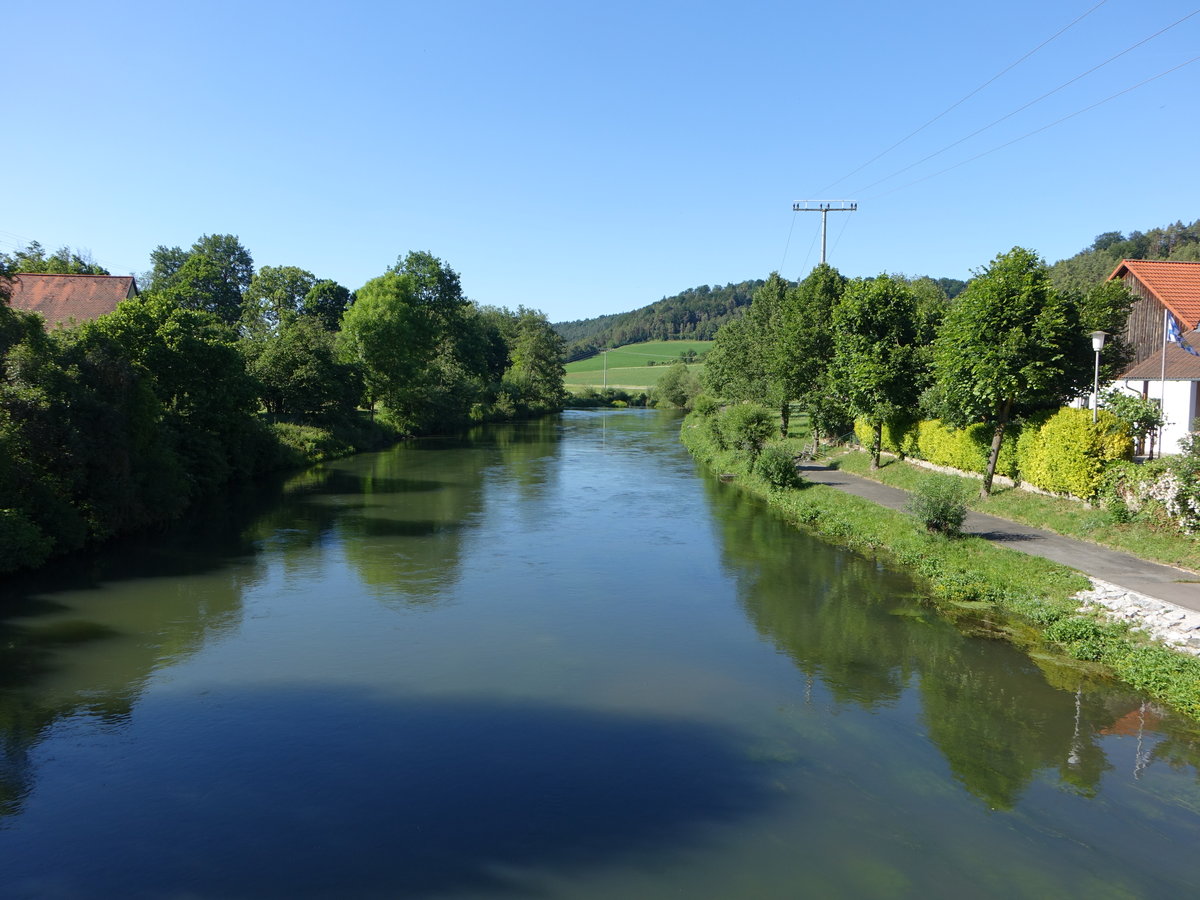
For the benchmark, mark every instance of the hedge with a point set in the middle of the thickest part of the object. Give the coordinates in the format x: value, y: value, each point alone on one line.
x: 1061, y: 452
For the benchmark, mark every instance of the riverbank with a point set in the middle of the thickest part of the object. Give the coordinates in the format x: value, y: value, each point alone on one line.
x: 1029, y: 600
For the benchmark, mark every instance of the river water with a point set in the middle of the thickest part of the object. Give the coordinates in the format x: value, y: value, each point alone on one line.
x: 552, y: 659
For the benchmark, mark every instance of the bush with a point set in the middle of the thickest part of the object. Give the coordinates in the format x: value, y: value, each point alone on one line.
x: 940, y: 503
x: 966, y: 449
x: 899, y: 436
x: 1069, y: 453
x: 747, y: 427
x: 777, y: 466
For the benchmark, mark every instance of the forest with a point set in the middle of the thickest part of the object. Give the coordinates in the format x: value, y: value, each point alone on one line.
x: 219, y: 370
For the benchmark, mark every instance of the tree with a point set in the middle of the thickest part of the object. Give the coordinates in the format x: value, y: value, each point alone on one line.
x: 535, y: 350
x: 877, y: 361
x: 677, y: 387
x: 388, y: 335
x: 326, y: 302
x: 299, y: 373
x: 807, y: 343
x: 1007, y: 343
x: 63, y: 261
x: 275, y: 294
x: 212, y: 276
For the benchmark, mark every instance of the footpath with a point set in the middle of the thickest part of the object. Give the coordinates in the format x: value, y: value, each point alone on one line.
x: 1163, y: 599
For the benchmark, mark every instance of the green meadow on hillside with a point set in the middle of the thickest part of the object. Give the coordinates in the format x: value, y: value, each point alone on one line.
x: 634, y: 365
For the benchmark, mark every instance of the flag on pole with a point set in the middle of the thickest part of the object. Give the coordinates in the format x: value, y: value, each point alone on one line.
x: 1176, y: 336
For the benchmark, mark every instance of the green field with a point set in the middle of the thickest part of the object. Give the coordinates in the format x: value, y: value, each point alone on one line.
x: 630, y: 366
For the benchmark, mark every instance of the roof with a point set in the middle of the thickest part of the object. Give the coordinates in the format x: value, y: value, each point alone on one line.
x: 1174, y: 283
x: 1181, y: 365
x: 62, y: 299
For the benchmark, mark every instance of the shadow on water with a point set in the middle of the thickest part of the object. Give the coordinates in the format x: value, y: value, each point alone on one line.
x: 463, y: 793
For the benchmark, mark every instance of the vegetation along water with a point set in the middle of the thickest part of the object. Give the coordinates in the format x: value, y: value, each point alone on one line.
x: 554, y: 659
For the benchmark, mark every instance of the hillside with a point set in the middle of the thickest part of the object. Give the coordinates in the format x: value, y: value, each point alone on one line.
x: 694, y: 314
x: 1093, y: 264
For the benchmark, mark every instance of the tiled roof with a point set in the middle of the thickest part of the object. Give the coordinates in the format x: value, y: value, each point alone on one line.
x: 1181, y: 365
x: 62, y: 299
x: 1174, y: 283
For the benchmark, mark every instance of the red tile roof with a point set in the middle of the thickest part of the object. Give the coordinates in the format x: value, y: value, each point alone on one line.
x: 62, y: 299
x: 1173, y: 283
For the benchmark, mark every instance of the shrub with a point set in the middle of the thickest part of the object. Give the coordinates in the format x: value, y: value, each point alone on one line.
x: 899, y: 436
x: 940, y: 503
x: 1069, y: 453
x: 747, y: 427
x: 777, y: 466
x: 966, y: 449
x: 705, y: 405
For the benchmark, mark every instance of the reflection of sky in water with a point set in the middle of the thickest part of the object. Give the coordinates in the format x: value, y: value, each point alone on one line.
x: 553, y: 660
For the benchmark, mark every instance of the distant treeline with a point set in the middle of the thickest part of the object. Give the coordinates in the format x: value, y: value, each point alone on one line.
x: 219, y: 371
x: 1094, y: 264
x: 695, y: 314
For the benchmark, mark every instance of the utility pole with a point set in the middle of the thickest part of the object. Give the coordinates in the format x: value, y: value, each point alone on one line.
x: 825, y: 207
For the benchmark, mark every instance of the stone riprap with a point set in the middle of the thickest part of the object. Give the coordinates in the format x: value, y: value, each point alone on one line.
x: 1173, y: 625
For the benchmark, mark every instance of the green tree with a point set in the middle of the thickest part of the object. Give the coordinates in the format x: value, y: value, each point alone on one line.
x: 1009, y: 342
x: 299, y: 373
x: 63, y: 261
x: 387, y: 334
x: 326, y: 302
x: 877, y: 362
x: 211, y: 277
x: 677, y: 387
x: 536, y: 351
x: 274, y: 294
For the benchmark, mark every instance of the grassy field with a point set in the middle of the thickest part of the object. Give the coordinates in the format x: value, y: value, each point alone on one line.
x: 630, y: 366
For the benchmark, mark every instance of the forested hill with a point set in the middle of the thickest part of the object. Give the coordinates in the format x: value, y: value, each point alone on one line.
x: 694, y: 314
x: 1093, y: 264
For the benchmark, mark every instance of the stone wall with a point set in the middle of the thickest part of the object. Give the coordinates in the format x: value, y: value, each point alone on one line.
x: 1173, y: 625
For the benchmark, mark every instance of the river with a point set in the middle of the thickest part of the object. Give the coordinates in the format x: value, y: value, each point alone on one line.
x: 552, y: 659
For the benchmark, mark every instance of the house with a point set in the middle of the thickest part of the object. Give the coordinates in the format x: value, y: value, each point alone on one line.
x: 65, y: 299
x: 1162, y: 370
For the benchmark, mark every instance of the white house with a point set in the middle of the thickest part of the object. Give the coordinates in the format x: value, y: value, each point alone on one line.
x: 1162, y: 369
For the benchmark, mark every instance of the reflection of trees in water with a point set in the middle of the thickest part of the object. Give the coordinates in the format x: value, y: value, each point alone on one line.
x: 827, y: 609
x: 988, y: 707
x: 83, y: 636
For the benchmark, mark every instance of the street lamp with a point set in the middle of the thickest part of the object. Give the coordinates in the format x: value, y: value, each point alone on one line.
x: 1097, y: 345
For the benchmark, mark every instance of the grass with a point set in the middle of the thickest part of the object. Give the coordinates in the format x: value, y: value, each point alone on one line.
x: 996, y: 591
x: 1062, y: 516
x: 629, y: 366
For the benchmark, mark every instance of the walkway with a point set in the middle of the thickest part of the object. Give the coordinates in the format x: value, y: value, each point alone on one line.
x: 1166, y: 583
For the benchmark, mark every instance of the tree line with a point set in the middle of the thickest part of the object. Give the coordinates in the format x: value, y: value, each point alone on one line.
x: 888, y: 349
x: 219, y: 370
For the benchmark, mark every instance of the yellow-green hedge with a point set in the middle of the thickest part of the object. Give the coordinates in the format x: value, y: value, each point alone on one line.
x: 1061, y: 452
x: 897, y: 437
x: 1069, y: 453
x: 967, y: 448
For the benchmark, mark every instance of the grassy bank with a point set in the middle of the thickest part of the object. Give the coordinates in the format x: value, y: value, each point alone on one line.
x: 1147, y: 540
x: 992, y: 590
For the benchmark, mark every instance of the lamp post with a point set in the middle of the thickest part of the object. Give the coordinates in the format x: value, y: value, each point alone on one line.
x: 1097, y: 345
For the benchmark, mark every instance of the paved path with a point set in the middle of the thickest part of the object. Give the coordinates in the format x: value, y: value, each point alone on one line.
x: 1152, y: 579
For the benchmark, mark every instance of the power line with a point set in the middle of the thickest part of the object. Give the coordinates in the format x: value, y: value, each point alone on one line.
x: 1029, y: 134
x: 1030, y: 103
x: 964, y: 99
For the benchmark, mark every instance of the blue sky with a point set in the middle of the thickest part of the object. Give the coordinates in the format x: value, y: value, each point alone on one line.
x: 588, y: 158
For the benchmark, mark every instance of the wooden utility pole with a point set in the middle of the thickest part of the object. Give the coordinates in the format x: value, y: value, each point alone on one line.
x: 825, y: 207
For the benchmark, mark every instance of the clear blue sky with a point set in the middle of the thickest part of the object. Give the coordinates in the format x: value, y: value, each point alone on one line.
x: 587, y: 158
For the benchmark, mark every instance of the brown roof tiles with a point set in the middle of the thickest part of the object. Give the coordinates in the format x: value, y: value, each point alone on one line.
x: 62, y: 299
x: 1174, y: 283
x: 1181, y: 365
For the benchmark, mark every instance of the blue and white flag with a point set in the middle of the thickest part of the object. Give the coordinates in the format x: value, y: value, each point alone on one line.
x: 1176, y: 336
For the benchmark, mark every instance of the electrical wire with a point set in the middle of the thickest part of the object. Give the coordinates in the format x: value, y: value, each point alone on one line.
x: 783, y: 261
x: 1029, y: 104
x: 1030, y: 134
x: 964, y: 99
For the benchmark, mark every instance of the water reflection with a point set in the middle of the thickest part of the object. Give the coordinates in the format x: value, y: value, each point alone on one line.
x: 998, y: 716
x: 547, y: 659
